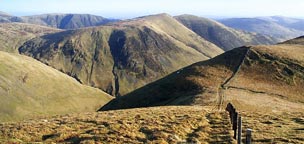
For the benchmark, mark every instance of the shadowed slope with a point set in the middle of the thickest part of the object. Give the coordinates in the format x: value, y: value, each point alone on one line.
x: 244, y: 76
x: 199, y: 81
x: 225, y: 37
x: 123, y: 56
x: 29, y: 89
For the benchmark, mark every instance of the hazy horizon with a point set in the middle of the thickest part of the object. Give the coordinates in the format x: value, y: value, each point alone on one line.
x: 134, y: 8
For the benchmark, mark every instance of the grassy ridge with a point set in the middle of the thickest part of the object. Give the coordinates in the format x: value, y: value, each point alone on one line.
x: 29, y: 89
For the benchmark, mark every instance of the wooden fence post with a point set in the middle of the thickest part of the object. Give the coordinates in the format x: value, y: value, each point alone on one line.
x: 248, y: 136
x: 239, y: 128
x: 234, y: 123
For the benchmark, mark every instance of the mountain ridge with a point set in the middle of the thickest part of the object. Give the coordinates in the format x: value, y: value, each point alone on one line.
x: 131, y: 53
x: 61, y: 21
x: 67, y: 21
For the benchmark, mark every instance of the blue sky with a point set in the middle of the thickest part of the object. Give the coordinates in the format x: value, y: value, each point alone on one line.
x: 133, y: 8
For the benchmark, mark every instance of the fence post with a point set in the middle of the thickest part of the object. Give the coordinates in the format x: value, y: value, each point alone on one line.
x: 239, y: 138
x: 248, y: 136
x: 234, y: 123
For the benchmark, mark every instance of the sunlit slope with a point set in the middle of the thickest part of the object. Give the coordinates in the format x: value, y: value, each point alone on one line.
x: 29, y: 89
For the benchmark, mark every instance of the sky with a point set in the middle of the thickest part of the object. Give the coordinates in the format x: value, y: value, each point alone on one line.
x: 133, y: 8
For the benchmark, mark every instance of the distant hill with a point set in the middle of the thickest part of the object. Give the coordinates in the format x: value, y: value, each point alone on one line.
x: 61, y: 21
x: 3, y: 14
x: 5, y: 18
x: 123, y: 56
x: 268, y: 78
x: 266, y: 25
x: 30, y: 89
x: 225, y: 37
x: 13, y: 35
x: 67, y: 21
x: 294, y: 23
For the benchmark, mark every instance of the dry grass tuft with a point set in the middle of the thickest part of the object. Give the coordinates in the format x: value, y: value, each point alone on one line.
x: 275, y: 127
x: 188, y: 124
x: 170, y: 124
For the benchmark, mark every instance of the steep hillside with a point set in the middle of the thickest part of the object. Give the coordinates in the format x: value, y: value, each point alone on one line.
x: 30, y: 89
x: 13, y: 35
x: 225, y: 37
x: 123, y: 56
x: 263, y: 26
x: 67, y: 21
x: 264, y: 78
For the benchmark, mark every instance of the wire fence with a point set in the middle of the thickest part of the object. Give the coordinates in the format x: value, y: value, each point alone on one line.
x: 236, y: 121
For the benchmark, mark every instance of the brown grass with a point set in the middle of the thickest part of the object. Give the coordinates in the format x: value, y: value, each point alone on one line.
x: 174, y: 124
x: 285, y: 127
x: 189, y: 124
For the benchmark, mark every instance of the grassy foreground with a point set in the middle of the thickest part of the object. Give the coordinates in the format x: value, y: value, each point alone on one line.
x: 173, y: 124
x: 192, y: 124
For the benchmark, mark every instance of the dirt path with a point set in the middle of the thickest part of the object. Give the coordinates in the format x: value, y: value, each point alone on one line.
x: 225, y: 84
